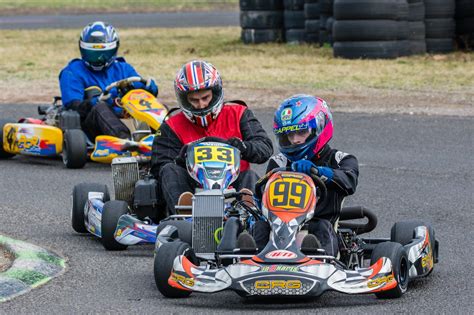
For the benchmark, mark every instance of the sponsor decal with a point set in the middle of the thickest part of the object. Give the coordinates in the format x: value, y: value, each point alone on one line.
x: 339, y: 156
x: 286, y: 114
x: 98, y: 46
x: 379, y: 281
x: 189, y: 282
x: 427, y: 261
x: 291, y: 128
x: 275, y: 268
x: 281, y: 254
x: 283, y: 284
x: 103, y: 152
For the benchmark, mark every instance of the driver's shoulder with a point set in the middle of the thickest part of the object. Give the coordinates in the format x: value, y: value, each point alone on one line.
x: 279, y: 160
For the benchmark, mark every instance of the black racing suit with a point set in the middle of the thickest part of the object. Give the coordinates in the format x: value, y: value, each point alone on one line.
x: 344, y: 183
x: 173, y: 178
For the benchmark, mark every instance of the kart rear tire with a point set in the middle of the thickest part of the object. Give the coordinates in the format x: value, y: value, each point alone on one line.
x: 185, y: 229
x: 399, y: 258
x: 74, y: 148
x: 80, y: 194
x: 3, y: 153
x: 163, y: 265
x: 111, y: 214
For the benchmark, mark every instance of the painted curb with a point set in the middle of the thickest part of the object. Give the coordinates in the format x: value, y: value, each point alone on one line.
x: 33, y: 266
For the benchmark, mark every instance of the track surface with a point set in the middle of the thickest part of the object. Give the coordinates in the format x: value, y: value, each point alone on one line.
x: 411, y: 167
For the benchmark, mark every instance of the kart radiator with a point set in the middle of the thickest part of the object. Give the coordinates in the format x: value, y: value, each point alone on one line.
x: 125, y: 174
x: 208, y: 215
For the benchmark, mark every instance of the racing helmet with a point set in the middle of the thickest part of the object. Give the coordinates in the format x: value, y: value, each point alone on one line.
x: 299, y: 113
x: 99, y: 43
x: 194, y: 76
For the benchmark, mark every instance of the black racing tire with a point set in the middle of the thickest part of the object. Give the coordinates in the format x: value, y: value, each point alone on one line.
x: 74, y: 148
x: 440, y: 28
x: 367, y: 30
x: 416, y: 30
x: 311, y: 26
x: 465, y: 25
x: 111, y: 214
x: 439, y: 45
x: 326, y: 7
x: 261, y: 19
x: 439, y: 9
x: 417, y: 47
x: 293, y: 19
x: 270, y: 5
x: 366, y: 9
x: 185, y: 229
x: 366, y: 49
x: 403, y: 232
x: 253, y: 36
x: 312, y: 38
x: 163, y: 265
x: 464, y: 9
x: 293, y: 5
x: 4, y: 154
x: 416, y: 11
x: 295, y: 36
x: 311, y: 11
x: 80, y: 194
x: 399, y: 258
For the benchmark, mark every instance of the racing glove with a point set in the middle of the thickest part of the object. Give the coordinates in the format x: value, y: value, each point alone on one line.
x: 239, y: 144
x: 151, y: 86
x: 302, y: 166
x: 111, y: 96
x: 325, y: 173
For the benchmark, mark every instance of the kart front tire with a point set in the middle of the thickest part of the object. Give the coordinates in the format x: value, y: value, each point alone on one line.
x: 80, y: 194
x: 4, y: 154
x: 163, y: 265
x: 74, y: 148
x: 185, y: 229
x: 399, y: 258
x: 111, y: 214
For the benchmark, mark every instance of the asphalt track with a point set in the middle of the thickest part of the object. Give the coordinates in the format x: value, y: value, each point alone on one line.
x: 121, y: 20
x: 410, y: 167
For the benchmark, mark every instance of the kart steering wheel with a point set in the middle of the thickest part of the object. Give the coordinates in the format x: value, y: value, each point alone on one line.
x: 123, y: 86
x: 322, y: 200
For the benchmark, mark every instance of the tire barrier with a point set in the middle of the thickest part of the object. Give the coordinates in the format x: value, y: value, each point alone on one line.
x: 440, y: 25
x: 464, y: 15
x: 294, y: 21
x: 261, y: 21
x: 371, y: 29
x: 363, y: 28
x: 311, y: 16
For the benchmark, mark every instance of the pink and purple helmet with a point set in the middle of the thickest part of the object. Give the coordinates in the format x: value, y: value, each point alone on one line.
x: 303, y: 112
x: 194, y: 76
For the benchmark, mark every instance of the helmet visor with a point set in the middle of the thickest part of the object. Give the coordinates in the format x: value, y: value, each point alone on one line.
x: 98, y: 54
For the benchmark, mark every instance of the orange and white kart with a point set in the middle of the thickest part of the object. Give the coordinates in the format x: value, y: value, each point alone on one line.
x: 288, y: 266
x: 58, y: 132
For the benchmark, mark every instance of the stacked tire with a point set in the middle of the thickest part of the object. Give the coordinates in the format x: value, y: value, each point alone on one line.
x: 325, y: 21
x: 416, y: 27
x: 311, y: 15
x: 465, y: 24
x: 294, y: 21
x: 440, y: 25
x: 261, y: 21
x: 370, y: 29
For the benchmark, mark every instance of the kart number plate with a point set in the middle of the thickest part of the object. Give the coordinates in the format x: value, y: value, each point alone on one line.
x: 203, y: 154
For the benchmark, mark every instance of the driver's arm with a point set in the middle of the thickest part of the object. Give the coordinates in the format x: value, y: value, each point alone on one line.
x: 259, y: 146
x: 166, y: 146
x: 346, y: 173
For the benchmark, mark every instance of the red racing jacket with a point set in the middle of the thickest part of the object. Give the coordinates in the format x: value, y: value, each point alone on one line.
x: 234, y: 120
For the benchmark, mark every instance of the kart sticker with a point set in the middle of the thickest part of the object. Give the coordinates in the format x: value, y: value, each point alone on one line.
x: 291, y: 193
x: 204, y: 154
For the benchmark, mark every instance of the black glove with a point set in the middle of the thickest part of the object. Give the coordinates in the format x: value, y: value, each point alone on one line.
x: 180, y: 160
x: 238, y: 143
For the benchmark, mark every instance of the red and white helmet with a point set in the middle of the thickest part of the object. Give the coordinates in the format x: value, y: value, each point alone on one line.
x: 194, y: 76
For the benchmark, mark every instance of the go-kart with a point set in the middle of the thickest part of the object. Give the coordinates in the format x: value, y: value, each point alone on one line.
x: 132, y: 218
x: 58, y: 131
x: 289, y: 265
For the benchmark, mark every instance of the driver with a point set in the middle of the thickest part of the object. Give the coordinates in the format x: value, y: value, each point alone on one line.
x: 83, y: 80
x: 303, y: 127
x: 203, y: 113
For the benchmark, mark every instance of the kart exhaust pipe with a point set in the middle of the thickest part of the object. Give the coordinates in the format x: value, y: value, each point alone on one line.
x: 354, y: 213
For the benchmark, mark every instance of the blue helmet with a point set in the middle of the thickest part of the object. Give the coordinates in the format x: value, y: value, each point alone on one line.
x: 99, y: 44
x: 303, y: 113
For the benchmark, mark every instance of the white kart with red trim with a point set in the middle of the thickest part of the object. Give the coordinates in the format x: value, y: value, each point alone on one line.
x: 284, y: 267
